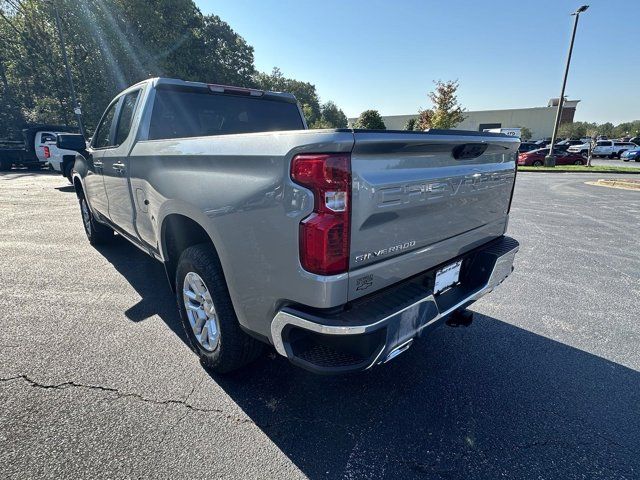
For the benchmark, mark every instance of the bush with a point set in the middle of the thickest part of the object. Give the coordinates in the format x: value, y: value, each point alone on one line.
x: 370, y: 120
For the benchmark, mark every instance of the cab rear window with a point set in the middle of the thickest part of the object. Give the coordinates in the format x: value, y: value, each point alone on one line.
x: 180, y: 114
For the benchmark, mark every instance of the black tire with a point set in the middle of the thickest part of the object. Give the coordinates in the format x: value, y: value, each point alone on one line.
x: 97, y: 233
x: 626, y: 160
x: 578, y: 162
x: 234, y: 348
x: 68, y: 173
x: 537, y: 163
x: 5, y: 165
x: 620, y: 153
x: 612, y: 156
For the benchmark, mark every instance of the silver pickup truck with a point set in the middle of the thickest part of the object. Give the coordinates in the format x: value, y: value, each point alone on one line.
x: 338, y: 247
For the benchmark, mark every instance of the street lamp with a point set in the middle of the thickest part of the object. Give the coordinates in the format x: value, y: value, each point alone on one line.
x: 550, y: 159
x: 76, y: 106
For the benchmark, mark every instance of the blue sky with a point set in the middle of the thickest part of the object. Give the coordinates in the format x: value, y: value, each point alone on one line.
x: 506, y: 54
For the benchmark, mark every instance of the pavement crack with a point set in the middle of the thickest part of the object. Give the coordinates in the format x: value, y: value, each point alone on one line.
x: 121, y: 395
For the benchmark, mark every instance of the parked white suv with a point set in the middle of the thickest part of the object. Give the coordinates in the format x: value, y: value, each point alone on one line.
x: 611, y: 148
x: 582, y: 148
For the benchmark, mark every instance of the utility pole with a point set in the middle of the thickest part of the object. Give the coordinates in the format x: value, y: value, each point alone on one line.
x: 550, y: 159
x: 76, y: 107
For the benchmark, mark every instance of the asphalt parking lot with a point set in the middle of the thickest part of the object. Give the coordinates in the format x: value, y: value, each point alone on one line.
x: 616, y: 162
x: 96, y: 380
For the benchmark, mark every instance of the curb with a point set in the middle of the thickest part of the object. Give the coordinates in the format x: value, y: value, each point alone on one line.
x: 621, y: 184
x: 601, y: 172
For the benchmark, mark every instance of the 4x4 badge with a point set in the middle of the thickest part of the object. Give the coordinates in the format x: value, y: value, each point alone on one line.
x: 364, y: 282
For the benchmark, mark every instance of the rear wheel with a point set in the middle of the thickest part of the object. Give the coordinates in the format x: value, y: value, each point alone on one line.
x: 5, y: 165
x: 97, y: 233
x: 578, y: 162
x: 537, y: 163
x: 612, y: 156
x: 207, y: 314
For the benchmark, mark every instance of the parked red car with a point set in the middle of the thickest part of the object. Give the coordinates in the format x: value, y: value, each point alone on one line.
x: 536, y: 158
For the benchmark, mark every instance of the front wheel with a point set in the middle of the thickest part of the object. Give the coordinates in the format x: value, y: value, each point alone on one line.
x: 97, y: 233
x: 537, y: 163
x: 208, y: 317
x: 578, y: 162
x: 5, y: 165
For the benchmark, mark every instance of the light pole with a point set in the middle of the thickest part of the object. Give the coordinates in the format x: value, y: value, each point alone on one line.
x: 72, y: 90
x: 550, y: 159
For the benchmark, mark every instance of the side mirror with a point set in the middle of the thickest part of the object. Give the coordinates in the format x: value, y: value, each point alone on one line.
x: 71, y: 141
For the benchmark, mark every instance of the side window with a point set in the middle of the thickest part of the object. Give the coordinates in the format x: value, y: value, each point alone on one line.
x: 126, y: 116
x: 101, y: 137
x: 47, y: 138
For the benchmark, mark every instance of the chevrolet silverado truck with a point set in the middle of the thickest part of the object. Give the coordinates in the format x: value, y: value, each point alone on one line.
x: 337, y: 247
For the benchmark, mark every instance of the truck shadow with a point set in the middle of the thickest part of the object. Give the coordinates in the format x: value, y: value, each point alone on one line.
x: 148, y: 278
x: 488, y: 401
x: 16, y: 173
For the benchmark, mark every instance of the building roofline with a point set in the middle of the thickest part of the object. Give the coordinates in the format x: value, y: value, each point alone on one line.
x: 483, y: 111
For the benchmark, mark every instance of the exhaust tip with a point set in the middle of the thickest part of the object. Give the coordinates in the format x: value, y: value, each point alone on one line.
x: 398, y: 350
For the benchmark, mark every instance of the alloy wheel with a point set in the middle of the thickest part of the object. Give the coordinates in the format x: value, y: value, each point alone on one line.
x: 201, y: 311
x: 86, y: 216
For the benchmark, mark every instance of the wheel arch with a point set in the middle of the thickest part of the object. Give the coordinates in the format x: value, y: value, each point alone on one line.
x: 77, y: 184
x: 67, y: 160
x: 177, y: 233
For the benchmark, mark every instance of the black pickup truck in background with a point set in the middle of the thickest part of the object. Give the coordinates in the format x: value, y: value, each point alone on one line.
x: 24, y: 152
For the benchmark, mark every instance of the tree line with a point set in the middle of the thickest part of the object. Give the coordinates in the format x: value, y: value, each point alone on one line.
x: 112, y: 44
x: 445, y: 113
x: 593, y: 130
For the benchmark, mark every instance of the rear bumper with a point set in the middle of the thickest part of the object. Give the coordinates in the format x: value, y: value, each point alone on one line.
x: 376, y: 328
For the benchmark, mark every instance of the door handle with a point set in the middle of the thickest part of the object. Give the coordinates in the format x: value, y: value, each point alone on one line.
x: 118, y: 167
x: 97, y: 163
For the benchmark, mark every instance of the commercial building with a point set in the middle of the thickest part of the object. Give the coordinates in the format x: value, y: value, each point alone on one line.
x: 539, y: 120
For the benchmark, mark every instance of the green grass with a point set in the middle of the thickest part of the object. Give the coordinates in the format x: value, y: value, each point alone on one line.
x: 581, y: 169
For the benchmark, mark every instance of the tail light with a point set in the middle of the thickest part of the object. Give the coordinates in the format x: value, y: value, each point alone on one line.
x: 47, y: 152
x: 324, y: 235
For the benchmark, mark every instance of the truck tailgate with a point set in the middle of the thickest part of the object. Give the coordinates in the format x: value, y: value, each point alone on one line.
x: 422, y: 198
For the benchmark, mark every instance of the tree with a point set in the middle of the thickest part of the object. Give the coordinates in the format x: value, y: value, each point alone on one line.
x: 446, y: 111
x: 370, y: 120
x: 631, y: 129
x: 304, y: 92
x: 331, y: 115
x: 411, y: 124
x: 574, y: 129
x: 111, y: 44
x: 606, y: 129
x: 525, y: 133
